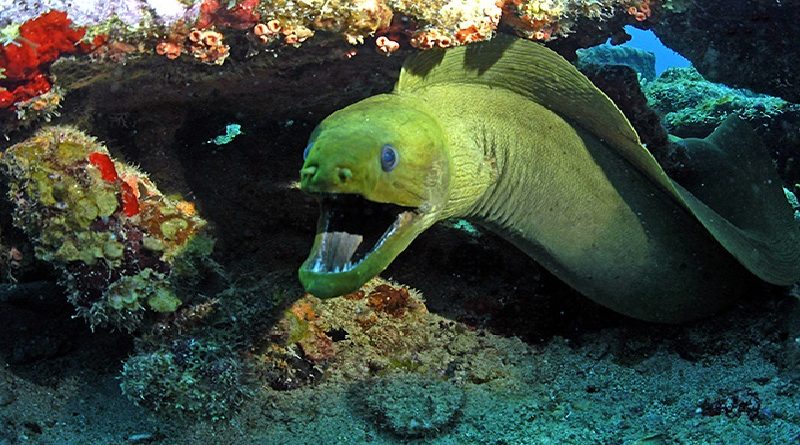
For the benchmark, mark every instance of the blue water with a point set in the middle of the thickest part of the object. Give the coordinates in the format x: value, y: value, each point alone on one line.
x: 665, y: 57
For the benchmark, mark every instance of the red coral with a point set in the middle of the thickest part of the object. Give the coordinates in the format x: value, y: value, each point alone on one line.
x: 6, y: 98
x: 40, y: 42
x: 241, y: 16
x: 35, y: 86
x: 106, y: 166
x: 128, y: 195
x: 130, y: 204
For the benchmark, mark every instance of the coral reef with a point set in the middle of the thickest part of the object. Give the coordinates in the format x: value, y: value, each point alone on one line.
x: 643, y: 62
x: 104, y: 225
x: 691, y: 106
x: 744, y: 43
x: 211, y: 31
x: 382, y: 329
x: 442, y: 23
x: 498, y: 351
x: 543, y: 20
x: 383, y: 334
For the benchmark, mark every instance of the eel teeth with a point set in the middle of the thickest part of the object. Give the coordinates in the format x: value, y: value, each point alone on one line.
x: 336, y: 251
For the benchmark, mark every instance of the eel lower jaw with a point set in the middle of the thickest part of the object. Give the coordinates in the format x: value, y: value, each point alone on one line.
x: 356, y: 239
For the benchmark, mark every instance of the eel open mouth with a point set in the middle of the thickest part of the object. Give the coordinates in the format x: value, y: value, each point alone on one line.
x: 351, y: 228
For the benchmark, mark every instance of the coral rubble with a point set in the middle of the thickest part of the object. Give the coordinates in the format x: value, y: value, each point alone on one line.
x: 103, y: 224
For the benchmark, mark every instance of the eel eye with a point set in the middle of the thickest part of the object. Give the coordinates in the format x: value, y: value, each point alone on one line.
x: 307, y: 150
x: 389, y: 158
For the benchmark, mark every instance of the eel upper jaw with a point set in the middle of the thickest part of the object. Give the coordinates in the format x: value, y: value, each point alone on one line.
x: 356, y: 239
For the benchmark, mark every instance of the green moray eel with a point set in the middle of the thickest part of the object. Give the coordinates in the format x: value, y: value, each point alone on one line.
x: 510, y: 135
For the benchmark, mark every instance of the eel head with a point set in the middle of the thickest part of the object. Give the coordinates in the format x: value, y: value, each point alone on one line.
x: 380, y: 173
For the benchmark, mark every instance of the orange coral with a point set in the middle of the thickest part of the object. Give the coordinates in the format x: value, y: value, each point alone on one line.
x: 539, y: 27
x: 295, y: 35
x: 173, y: 44
x: 208, y: 46
x: 468, y: 33
x: 169, y: 49
x: 386, y: 45
x: 241, y: 15
x: 115, y: 51
x: 304, y: 310
x: 301, y: 328
x: 44, y: 106
x: 267, y: 32
x: 187, y: 208
x: 317, y: 348
x: 357, y: 295
x: 431, y: 39
x: 640, y: 12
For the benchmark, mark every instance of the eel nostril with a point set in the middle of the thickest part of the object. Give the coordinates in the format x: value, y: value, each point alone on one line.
x: 345, y: 174
x: 308, y: 172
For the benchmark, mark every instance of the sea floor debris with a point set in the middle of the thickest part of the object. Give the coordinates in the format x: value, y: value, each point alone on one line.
x: 723, y: 380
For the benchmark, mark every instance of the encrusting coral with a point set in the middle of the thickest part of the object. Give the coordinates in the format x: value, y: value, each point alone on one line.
x: 104, y: 225
x: 422, y: 25
x: 209, y: 31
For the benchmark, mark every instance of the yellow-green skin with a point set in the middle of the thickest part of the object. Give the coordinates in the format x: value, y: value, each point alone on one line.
x: 557, y: 191
x: 352, y: 139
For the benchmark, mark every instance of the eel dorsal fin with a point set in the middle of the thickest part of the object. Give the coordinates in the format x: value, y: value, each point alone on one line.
x: 541, y: 75
x: 737, y: 195
x: 761, y: 234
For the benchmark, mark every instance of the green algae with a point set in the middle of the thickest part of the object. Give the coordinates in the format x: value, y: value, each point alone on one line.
x: 163, y: 300
x: 171, y: 228
x: 148, y: 287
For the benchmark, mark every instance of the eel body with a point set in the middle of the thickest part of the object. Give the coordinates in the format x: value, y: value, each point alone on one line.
x: 510, y: 135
